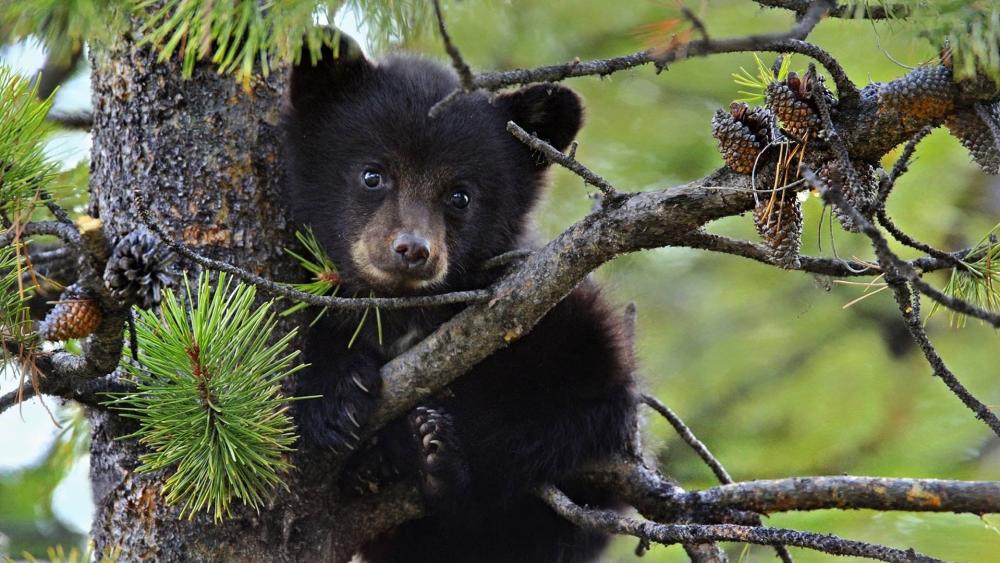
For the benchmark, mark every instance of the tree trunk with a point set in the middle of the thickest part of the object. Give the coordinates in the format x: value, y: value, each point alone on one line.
x: 206, y: 155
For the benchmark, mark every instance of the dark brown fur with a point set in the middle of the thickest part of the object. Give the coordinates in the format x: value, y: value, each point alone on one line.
x: 531, y: 413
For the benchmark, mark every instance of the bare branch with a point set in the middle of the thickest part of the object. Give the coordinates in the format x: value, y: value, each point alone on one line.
x: 463, y: 70
x: 56, y: 71
x: 505, y: 259
x: 909, y: 305
x: 82, y: 120
x: 17, y: 396
x: 897, y: 271
x: 702, y: 450
x: 781, y: 43
x: 689, y: 438
x: 698, y: 533
x: 849, y: 492
x: 868, y: 10
x: 611, y: 196
x: 67, y: 233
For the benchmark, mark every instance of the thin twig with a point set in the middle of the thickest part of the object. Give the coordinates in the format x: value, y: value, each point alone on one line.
x: 703, y: 452
x: 464, y: 72
x: 82, y: 120
x: 17, y: 396
x: 909, y: 305
x: 506, y: 259
x: 870, y: 10
x: 57, y: 211
x: 610, y: 195
x: 902, y: 164
x: 696, y: 22
x: 283, y: 290
x: 689, y: 438
x: 697, y: 533
x: 896, y: 271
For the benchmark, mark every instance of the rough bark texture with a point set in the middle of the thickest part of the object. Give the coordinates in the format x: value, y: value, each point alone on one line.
x: 206, y: 155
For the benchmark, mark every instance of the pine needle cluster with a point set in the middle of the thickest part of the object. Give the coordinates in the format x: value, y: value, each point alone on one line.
x: 325, y: 281
x: 977, y: 281
x: 208, y: 399
x: 755, y: 85
x: 240, y: 37
x: 15, y: 322
x: 24, y: 169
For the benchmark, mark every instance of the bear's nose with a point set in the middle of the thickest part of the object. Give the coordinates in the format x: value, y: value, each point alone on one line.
x: 411, y: 249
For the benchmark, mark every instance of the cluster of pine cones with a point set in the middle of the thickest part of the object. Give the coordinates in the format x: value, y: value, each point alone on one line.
x: 136, y: 274
x: 771, y: 142
x: 747, y: 135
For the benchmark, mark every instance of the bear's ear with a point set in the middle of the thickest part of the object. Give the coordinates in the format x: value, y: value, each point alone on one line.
x: 340, y: 66
x: 554, y: 113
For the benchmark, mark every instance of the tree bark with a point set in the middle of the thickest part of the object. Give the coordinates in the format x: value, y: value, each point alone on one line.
x: 206, y: 155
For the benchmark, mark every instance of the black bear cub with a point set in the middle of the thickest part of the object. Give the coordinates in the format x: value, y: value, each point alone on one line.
x: 406, y: 204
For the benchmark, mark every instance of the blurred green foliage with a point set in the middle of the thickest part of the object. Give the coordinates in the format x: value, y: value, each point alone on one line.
x: 766, y: 366
x: 26, y: 515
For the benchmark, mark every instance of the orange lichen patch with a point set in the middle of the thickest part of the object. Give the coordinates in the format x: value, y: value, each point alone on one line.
x: 512, y: 334
x: 918, y: 495
x: 195, y: 235
x: 927, y: 108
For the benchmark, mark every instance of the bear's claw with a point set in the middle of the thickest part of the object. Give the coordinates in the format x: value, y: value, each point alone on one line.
x: 442, y: 467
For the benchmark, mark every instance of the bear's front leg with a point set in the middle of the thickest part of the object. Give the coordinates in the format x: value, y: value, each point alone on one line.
x: 348, y: 385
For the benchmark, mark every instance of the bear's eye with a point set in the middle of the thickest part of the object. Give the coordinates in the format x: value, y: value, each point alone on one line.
x: 372, y: 179
x: 459, y: 200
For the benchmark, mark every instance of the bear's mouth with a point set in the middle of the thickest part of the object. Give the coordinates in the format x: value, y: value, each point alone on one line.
x: 389, y: 278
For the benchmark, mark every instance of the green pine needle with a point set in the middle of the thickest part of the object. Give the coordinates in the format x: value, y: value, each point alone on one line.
x: 756, y: 86
x: 24, y: 169
x: 320, y: 265
x: 15, y: 321
x: 208, y: 397
x: 324, y: 272
x: 978, y: 282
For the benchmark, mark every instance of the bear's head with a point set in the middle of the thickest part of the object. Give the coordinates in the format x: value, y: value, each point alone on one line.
x: 403, y: 202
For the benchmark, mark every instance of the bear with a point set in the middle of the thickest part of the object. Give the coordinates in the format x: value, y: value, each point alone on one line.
x: 408, y: 204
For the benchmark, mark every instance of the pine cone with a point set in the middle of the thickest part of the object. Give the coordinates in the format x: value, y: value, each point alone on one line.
x: 922, y: 95
x: 791, y: 100
x: 138, y: 270
x: 977, y: 137
x: 742, y: 133
x: 75, y: 316
x: 864, y: 198
x: 779, y: 221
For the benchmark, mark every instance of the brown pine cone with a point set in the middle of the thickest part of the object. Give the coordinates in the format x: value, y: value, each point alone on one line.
x: 864, y: 197
x: 75, y: 316
x: 922, y: 95
x: 742, y: 133
x: 977, y: 137
x: 779, y: 221
x: 791, y: 100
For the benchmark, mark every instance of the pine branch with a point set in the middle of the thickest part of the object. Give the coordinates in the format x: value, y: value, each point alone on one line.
x: 702, y: 450
x: 860, y: 9
x: 897, y: 271
x: 850, y: 492
x: 285, y: 290
x: 208, y: 400
x: 697, y: 533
